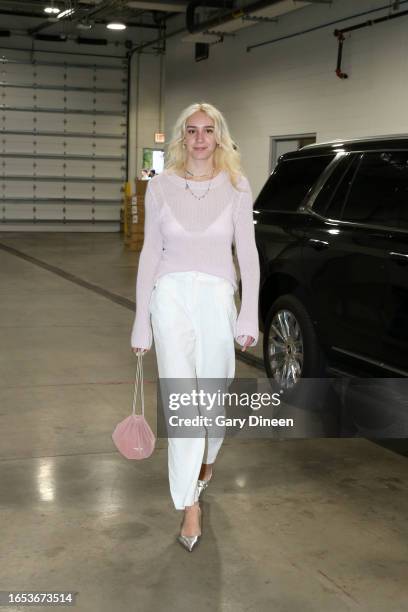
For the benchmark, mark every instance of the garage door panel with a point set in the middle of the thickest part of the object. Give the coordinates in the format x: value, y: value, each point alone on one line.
x: 16, y: 73
x: 82, y: 100
x: 49, y: 75
x: 78, y: 123
x: 112, y: 102
x: 27, y: 98
x: 49, y: 167
x: 14, y: 143
x: 19, y: 166
x: 19, y: 211
x: 79, y: 212
x: 94, y: 168
x: 50, y: 122
x: 83, y: 146
x: 107, y: 213
x: 48, y: 172
x: 14, y: 120
x: 79, y: 190
x: 114, y: 126
x: 47, y: 122
x: 107, y: 191
x: 76, y: 75
x: 114, y: 169
x: 50, y: 99
x: 45, y: 212
x: 108, y: 147
x: 110, y: 125
x: 109, y: 78
x: 18, y: 189
x: 48, y: 146
x: 49, y: 189
x: 96, y: 212
x: 18, y: 96
x: 79, y: 168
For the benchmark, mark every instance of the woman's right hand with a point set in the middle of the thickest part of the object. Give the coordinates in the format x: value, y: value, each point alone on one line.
x: 139, y: 351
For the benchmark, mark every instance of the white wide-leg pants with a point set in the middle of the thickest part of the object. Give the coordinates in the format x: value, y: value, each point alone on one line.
x: 193, y: 318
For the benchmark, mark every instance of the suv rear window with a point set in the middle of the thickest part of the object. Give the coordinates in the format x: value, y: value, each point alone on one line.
x: 289, y: 184
x: 330, y: 200
x: 379, y: 191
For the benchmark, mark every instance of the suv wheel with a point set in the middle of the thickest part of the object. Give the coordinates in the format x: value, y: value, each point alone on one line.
x: 290, y: 347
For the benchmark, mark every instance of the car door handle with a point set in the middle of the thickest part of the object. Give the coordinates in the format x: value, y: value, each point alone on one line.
x: 399, y: 257
x: 319, y: 245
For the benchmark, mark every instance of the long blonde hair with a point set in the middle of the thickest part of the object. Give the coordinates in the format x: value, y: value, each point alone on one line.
x: 226, y: 156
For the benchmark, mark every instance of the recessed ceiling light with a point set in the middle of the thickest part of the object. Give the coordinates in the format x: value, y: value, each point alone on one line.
x: 116, y: 25
x: 51, y: 10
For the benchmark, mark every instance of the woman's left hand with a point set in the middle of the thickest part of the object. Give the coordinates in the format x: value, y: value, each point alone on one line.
x: 249, y: 340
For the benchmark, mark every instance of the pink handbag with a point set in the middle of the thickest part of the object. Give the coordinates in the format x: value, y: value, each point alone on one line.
x: 133, y: 437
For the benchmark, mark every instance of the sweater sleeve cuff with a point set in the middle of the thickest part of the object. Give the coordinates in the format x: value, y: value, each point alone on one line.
x: 142, y: 336
x: 245, y: 328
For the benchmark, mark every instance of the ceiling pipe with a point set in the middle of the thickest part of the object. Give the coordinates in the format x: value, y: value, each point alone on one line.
x: 230, y: 15
x: 340, y: 36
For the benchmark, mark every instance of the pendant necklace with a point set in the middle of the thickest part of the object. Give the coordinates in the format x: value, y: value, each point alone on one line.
x: 188, y: 188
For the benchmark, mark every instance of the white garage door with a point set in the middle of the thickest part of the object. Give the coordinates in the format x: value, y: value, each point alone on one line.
x: 63, y: 141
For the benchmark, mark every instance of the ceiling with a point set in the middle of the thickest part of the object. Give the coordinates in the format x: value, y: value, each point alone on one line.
x: 227, y: 16
x: 231, y: 14
x: 92, y: 11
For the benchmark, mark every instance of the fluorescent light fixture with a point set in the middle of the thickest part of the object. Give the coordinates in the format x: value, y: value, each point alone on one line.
x: 51, y: 10
x: 66, y: 13
x: 116, y: 25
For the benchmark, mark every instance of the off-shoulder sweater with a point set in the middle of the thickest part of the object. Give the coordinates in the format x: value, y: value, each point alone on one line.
x: 182, y: 233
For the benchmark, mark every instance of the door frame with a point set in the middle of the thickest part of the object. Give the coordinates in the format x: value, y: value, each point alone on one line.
x: 275, y: 139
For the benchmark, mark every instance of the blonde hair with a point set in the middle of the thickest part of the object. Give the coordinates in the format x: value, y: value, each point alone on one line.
x: 226, y: 155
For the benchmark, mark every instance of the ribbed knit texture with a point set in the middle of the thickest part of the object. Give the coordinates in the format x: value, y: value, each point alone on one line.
x: 182, y: 233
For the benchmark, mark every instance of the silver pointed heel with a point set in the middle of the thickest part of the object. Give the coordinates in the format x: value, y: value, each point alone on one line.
x: 202, y: 485
x: 189, y: 542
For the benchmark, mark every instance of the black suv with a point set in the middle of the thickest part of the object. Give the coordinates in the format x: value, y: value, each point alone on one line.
x: 331, y: 227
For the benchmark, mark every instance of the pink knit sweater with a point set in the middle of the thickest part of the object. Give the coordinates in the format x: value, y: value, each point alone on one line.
x: 182, y: 233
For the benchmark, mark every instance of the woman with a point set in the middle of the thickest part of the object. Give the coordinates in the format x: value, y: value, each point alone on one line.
x: 186, y: 281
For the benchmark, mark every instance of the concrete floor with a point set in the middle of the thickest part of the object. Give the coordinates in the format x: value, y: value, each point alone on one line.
x: 297, y: 525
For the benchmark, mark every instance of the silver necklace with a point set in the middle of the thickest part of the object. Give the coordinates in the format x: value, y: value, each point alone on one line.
x: 208, y: 188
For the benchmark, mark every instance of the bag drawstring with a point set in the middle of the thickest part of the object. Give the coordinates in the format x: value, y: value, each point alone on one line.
x: 139, y: 377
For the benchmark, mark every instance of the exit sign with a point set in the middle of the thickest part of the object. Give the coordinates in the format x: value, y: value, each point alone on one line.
x: 159, y: 137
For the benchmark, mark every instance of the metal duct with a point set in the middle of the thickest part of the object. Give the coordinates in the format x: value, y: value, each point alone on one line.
x: 234, y: 14
x: 192, y: 27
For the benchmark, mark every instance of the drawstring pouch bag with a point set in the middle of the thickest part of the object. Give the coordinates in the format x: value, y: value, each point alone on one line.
x: 133, y: 437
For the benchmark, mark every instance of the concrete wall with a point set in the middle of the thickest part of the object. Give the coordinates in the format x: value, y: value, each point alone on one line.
x: 290, y: 87
x: 144, y: 117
